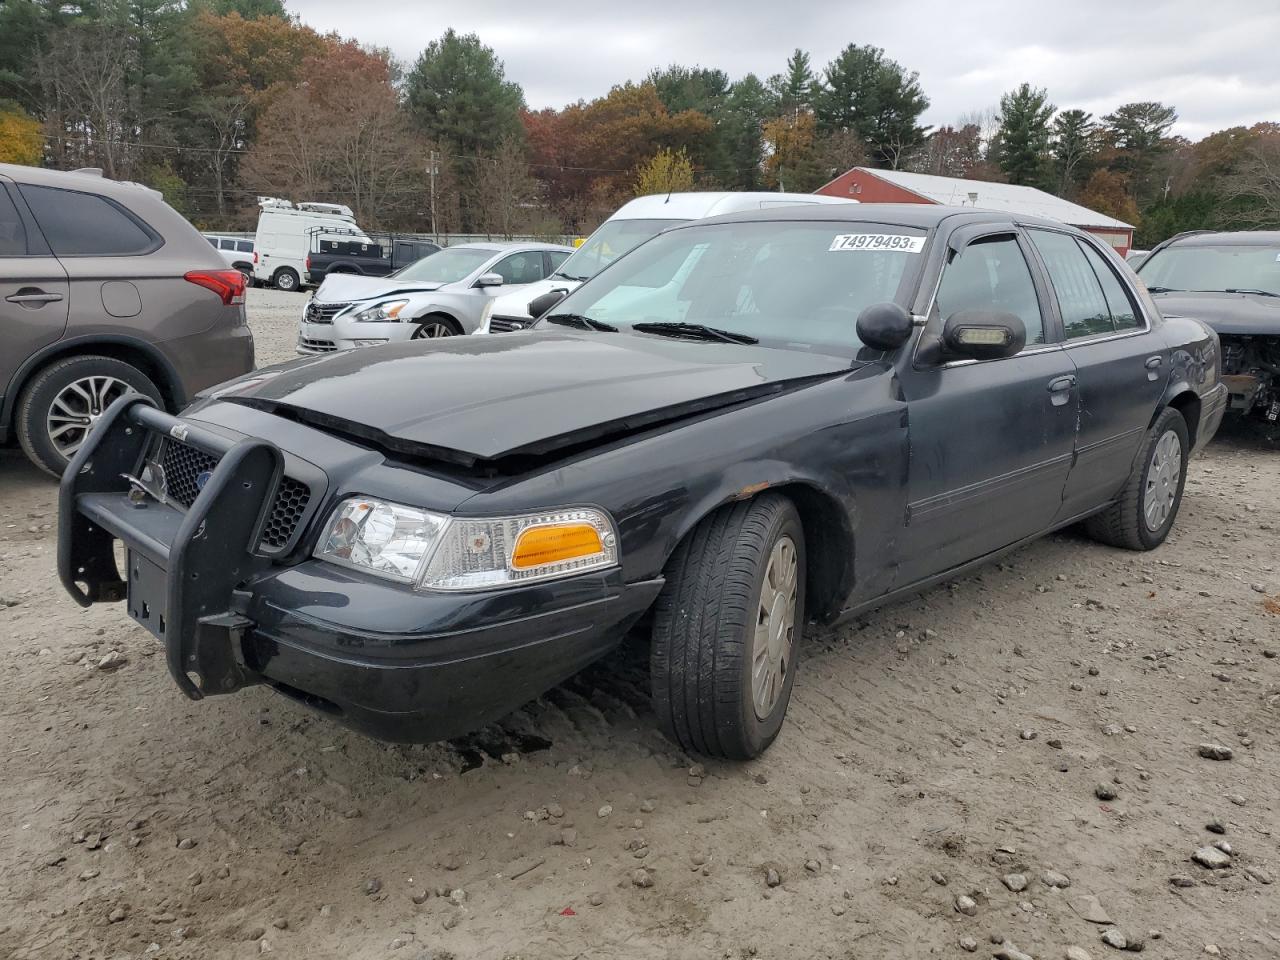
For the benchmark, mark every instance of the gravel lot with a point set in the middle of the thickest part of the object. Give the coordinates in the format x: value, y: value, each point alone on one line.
x: 949, y: 766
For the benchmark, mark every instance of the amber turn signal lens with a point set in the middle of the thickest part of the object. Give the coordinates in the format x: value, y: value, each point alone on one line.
x: 555, y: 543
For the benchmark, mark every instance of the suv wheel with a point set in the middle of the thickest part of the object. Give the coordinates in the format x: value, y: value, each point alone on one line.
x: 60, y: 405
x: 286, y: 278
x: 726, y: 628
x: 1143, y: 515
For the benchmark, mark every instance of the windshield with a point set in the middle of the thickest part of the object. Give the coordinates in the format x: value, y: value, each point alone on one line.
x: 796, y: 285
x: 446, y: 266
x: 607, y: 244
x: 1220, y: 267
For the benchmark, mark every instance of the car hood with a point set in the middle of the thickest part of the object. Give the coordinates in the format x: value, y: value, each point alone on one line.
x: 516, y: 303
x: 472, y: 399
x: 348, y: 287
x: 1234, y: 314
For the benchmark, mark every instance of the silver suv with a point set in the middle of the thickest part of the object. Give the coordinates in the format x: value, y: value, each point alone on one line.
x: 104, y: 288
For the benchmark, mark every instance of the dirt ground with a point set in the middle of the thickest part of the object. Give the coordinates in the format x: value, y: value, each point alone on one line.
x: 1039, y: 723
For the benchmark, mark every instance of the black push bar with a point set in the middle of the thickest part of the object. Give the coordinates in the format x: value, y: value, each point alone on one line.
x: 184, y: 567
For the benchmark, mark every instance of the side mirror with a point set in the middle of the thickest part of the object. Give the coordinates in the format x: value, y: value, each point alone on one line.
x: 984, y: 334
x: 540, y: 305
x: 489, y: 280
x: 884, y: 326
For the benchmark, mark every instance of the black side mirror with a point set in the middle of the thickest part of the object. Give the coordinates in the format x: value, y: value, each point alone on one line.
x: 984, y: 334
x: 884, y: 326
x: 540, y: 305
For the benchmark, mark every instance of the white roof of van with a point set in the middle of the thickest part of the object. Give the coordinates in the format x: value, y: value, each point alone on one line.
x: 695, y: 206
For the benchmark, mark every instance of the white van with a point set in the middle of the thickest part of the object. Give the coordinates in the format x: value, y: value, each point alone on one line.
x: 633, y: 224
x: 285, y: 235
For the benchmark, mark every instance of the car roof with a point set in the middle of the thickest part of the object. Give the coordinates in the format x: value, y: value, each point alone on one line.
x: 1242, y: 238
x: 86, y: 180
x: 922, y: 216
x: 507, y: 246
x: 697, y: 205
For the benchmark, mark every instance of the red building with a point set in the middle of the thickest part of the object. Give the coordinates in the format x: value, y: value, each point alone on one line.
x: 894, y: 186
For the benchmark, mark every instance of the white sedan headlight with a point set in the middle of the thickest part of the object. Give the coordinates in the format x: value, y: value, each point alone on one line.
x: 381, y: 313
x: 437, y: 552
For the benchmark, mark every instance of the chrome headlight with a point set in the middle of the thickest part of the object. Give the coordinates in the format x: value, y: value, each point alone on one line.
x: 381, y: 313
x: 388, y: 539
x: 437, y: 552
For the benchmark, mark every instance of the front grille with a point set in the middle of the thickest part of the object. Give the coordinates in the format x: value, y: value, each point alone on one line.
x: 183, y: 466
x: 507, y: 324
x: 311, y: 345
x: 317, y: 312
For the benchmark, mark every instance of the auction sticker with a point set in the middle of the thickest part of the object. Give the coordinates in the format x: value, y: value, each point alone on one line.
x: 877, y: 242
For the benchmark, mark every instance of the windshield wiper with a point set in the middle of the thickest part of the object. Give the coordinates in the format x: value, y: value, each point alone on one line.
x: 694, y: 331
x: 570, y: 276
x: 1253, y: 290
x: 1164, y: 290
x: 581, y: 322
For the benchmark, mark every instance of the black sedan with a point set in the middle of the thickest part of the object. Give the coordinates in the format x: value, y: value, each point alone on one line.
x: 744, y: 424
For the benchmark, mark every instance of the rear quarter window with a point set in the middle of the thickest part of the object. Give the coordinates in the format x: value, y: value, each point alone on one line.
x: 13, y: 235
x: 78, y: 224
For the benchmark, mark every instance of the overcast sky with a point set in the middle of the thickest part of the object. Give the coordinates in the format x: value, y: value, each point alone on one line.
x: 1217, y: 62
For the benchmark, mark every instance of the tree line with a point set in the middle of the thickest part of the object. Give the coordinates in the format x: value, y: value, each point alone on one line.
x: 218, y: 102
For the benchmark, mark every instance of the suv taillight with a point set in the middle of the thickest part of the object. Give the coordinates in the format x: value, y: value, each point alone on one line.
x: 227, y: 284
x: 307, y: 262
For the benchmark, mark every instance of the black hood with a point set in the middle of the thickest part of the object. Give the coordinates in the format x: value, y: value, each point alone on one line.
x: 1233, y: 314
x: 469, y: 399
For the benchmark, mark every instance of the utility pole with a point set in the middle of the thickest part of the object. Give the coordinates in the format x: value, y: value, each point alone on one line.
x: 431, y: 172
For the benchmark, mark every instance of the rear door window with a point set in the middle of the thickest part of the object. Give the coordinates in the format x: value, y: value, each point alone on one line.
x: 244, y: 246
x: 86, y: 225
x: 520, y: 268
x: 1123, y: 313
x: 13, y: 235
x: 1084, y: 308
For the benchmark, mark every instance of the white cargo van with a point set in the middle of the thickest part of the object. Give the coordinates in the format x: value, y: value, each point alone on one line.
x: 632, y: 224
x: 286, y: 232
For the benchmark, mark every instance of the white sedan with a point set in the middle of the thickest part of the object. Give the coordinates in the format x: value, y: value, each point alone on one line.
x: 441, y: 295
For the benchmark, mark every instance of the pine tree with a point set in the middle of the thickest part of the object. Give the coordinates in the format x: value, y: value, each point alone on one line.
x: 1022, y: 142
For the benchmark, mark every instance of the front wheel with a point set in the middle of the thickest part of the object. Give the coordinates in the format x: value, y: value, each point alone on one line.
x: 1143, y: 515
x: 434, y: 326
x: 726, y: 629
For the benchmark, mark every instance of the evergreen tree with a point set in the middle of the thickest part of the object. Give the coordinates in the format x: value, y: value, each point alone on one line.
x: 1022, y: 141
x: 1072, y: 147
x: 794, y: 89
x: 876, y: 99
x: 1139, y: 134
x: 457, y: 93
x: 749, y: 105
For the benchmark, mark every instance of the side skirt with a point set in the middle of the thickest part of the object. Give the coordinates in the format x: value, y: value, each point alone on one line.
x: 920, y: 586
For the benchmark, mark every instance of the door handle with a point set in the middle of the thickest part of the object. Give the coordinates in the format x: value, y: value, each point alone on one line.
x: 1153, y: 367
x: 34, y: 297
x: 1060, y: 389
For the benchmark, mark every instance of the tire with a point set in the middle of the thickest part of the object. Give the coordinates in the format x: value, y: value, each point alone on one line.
x: 706, y: 621
x: 434, y: 326
x: 1143, y: 514
x: 286, y: 279
x: 53, y: 403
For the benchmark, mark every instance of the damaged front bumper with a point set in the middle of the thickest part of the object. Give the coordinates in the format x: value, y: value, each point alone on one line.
x: 218, y: 581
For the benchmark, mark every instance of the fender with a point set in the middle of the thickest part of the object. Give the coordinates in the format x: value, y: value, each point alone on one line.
x: 171, y: 383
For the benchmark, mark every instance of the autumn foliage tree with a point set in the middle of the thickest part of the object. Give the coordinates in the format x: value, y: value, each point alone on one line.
x: 667, y: 171
x: 20, y: 139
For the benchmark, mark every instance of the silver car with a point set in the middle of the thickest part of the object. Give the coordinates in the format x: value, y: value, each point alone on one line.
x: 441, y: 295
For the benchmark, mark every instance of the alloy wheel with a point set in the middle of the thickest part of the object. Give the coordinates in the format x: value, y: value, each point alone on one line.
x: 77, y: 407
x: 432, y: 329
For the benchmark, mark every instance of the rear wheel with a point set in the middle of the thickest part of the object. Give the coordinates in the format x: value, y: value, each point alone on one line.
x: 59, y: 407
x: 436, y: 325
x: 1143, y: 515
x: 286, y: 278
x: 726, y: 628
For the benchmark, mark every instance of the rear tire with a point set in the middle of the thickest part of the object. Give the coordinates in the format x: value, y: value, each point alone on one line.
x: 60, y: 404
x: 286, y: 279
x: 1143, y: 515
x: 731, y: 613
